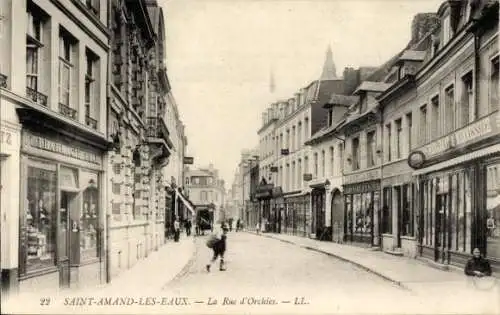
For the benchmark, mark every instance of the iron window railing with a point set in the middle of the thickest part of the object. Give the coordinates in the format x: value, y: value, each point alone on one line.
x: 36, y: 96
x: 67, y: 111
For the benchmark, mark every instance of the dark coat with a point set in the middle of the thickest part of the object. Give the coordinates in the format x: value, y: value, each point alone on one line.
x: 220, y: 245
x: 477, y: 264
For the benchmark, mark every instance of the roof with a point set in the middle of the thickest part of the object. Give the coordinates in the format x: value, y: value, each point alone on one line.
x: 198, y: 173
x: 413, y: 55
x: 339, y: 99
x: 372, y: 86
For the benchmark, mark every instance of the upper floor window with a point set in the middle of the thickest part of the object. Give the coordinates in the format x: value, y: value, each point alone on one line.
x: 92, y: 6
x: 388, y: 140
x: 196, y: 180
x: 355, y: 153
x: 399, y: 142
x: 91, y: 88
x: 315, y: 164
x: 435, y: 117
x: 446, y: 29
x: 467, y: 100
x: 323, y: 163
x: 67, y: 56
x: 330, y: 117
x: 423, y: 124
x: 494, y: 69
x: 371, y: 143
x: 187, y: 180
x: 35, y: 50
x: 332, y: 160
x: 409, y: 130
x: 451, y: 115
x: 306, y: 128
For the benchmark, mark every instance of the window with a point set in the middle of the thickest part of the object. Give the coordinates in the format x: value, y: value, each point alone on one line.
x: 494, y: 84
x: 370, y: 148
x: 387, y: 210
x: 423, y: 125
x: 187, y: 180
x: 330, y: 117
x: 91, y: 100
x: 306, y: 165
x: 409, y: 131
x: 39, y: 216
x: 323, y: 163
x: 287, y: 144
x: 136, y: 193
x: 447, y: 32
x: 294, y: 143
x: 293, y: 176
x: 299, y: 134
x: 92, y: 6
x: 66, y: 49
x: 355, y: 153
x: 315, y: 164
x: 196, y: 180
x: 332, y: 160
x: 467, y: 101
x: 493, y: 210
x: 33, y: 47
x: 299, y: 172
x: 89, y: 229
x: 435, y: 118
x: 341, y: 157
x: 451, y: 116
x: 388, y: 142
x: 306, y: 128
x: 407, y: 224
x: 203, y: 196
x: 399, y: 140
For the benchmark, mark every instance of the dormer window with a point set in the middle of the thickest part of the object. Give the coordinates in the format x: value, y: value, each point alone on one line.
x: 447, y: 31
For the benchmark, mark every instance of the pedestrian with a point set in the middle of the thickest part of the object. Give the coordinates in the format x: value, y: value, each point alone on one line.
x: 219, y: 247
x: 257, y: 228
x: 177, y: 229
x: 187, y: 226
x: 477, y: 266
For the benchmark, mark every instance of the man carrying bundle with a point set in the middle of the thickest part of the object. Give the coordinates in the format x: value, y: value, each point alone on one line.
x: 217, y: 242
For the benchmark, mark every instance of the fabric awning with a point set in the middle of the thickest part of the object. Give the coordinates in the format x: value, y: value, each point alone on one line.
x: 463, y: 158
x: 186, y: 202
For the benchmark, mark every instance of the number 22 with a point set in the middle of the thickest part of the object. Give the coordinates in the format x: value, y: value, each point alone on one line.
x: 44, y: 301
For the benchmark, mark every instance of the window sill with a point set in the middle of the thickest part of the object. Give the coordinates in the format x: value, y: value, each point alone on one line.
x: 409, y: 238
x: 38, y: 273
x: 387, y: 235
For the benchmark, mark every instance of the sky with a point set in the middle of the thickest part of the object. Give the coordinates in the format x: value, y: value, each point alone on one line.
x: 220, y: 54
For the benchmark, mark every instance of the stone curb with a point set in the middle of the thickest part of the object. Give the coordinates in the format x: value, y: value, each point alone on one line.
x: 184, y: 269
x: 364, y: 267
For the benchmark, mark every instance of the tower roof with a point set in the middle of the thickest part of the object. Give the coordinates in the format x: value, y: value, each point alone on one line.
x: 329, y: 71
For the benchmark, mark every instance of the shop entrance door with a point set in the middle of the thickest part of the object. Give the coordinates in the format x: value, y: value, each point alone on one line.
x: 68, y: 229
x: 441, y: 231
x: 337, y: 217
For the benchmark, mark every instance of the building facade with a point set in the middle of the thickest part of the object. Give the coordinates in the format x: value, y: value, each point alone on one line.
x: 54, y: 143
x: 207, y: 192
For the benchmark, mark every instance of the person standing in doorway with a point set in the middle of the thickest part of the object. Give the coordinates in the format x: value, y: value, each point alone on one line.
x: 177, y: 229
x: 219, y: 248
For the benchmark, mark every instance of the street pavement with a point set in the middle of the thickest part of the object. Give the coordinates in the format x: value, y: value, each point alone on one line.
x: 269, y: 276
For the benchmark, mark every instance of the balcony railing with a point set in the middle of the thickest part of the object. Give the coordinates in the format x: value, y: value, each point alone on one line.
x: 67, y: 111
x: 36, y: 96
x: 3, y: 80
x: 91, y: 122
x: 157, y: 128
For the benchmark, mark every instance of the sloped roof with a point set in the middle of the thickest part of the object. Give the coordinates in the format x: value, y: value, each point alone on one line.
x: 339, y: 99
x: 372, y: 87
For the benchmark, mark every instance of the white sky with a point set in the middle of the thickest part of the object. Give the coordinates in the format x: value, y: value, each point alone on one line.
x: 220, y: 52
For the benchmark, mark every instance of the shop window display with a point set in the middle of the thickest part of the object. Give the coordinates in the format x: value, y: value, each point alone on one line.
x: 493, y: 211
x: 40, y: 217
x: 349, y: 216
x: 89, y: 219
x: 387, y: 211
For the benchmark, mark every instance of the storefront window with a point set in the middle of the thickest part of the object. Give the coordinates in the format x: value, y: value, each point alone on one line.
x: 454, y: 195
x: 40, y: 217
x: 493, y: 211
x: 407, y: 211
x: 468, y: 212
x: 349, y: 218
x: 89, y: 220
x: 387, y: 211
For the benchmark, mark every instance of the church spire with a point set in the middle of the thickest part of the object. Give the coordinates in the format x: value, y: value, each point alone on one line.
x: 329, y: 71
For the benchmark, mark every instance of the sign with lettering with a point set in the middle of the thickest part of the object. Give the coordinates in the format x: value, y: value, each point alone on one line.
x: 188, y: 160
x: 416, y: 159
x: 363, y: 176
x: 474, y: 132
x: 361, y: 187
x: 307, y: 177
x: 38, y: 142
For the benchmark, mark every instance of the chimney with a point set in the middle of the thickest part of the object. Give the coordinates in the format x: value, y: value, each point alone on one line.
x: 351, y: 80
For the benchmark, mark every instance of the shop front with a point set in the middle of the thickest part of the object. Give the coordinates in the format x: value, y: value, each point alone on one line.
x: 264, y: 196
x: 297, y: 216
x: 458, y: 194
x: 61, y: 237
x: 361, y: 202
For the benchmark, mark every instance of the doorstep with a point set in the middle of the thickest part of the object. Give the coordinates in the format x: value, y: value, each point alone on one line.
x: 395, y: 252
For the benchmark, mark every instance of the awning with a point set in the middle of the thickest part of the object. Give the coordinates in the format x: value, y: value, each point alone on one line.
x: 463, y: 158
x: 186, y: 202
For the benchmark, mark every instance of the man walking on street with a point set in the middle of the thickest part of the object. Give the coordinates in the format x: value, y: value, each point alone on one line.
x: 219, y: 248
x: 177, y: 229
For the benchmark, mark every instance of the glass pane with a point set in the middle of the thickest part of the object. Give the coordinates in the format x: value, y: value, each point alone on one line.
x: 348, y: 214
x: 40, y: 218
x: 89, y: 220
x: 461, y: 213
x: 468, y: 212
x: 493, y: 211
x: 424, y: 211
x: 453, y: 211
x: 358, y: 214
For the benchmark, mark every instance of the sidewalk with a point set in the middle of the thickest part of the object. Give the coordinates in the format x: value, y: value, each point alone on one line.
x: 152, y: 273
x: 408, y: 273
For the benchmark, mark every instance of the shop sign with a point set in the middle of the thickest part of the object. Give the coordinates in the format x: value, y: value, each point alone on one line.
x: 361, y: 187
x: 33, y: 141
x: 307, y: 177
x: 363, y: 177
x: 188, y: 160
x: 416, y: 159
x: 474, y: 132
